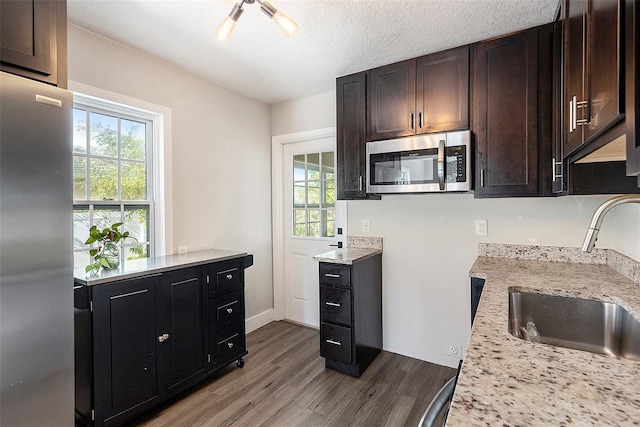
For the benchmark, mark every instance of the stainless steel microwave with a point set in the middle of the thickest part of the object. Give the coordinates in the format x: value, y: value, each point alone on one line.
x: 420, y: 164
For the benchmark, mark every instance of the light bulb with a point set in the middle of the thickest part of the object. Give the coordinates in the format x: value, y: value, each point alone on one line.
x: 224, y: 30
x: 288, y: 26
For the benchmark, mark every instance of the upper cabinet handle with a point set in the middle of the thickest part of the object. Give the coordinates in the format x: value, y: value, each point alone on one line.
x: 411, y: 120
x: 420, y: 120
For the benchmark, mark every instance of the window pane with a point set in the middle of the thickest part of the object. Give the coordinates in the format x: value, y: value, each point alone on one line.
x: 136, y: 222
x: 103, y: 179
x: 314, y: 193
x: 299, y: 195
x: 80, y: 226
x: 329, y: 194
x: 106, y: 216
x: 313, y: 166
x: 134, y: 181
x: 299, y: 216
x: 104, y: 135
x: 79, y: 178
x: 298, y: 167
x: 79, y: 131
x: 314, y: 229
x: 329, y: 223
x: 314, y: 215
x: 81, y: 259
x: 136, y: 252
x: 328, y: 168
x: 133, y: 139
x: 299, y: 230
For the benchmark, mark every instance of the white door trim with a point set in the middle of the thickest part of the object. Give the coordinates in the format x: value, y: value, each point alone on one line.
x: 277, y: 200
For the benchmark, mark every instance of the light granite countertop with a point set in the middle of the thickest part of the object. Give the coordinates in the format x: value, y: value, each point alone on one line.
x: 140, y: 267
x: 507, y: 381
x: 357, y: 249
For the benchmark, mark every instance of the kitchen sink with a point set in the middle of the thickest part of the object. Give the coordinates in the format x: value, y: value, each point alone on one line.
x: 581, y: 324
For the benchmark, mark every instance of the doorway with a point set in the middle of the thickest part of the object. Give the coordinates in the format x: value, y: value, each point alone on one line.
x: 306, y: 220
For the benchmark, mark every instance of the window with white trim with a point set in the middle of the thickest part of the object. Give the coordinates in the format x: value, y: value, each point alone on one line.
x: 112, y: 175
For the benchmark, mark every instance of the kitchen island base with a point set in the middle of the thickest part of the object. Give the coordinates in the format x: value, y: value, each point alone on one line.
x: 142, y: 338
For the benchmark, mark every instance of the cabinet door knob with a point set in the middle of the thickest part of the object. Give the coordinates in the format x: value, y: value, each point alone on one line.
x: 229, y: 310
x: 163, y: 337
x: 230, y: 344
x: 229, y: 276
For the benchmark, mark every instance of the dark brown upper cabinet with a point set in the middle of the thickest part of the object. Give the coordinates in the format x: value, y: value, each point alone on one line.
x: 350, y: 138
x: 391, y: 94
x: 422, y: 95
x: 593, y: 99
x: 512, y: 101
x: 442, y: 91
x: 632, y: 86
x: 33, y: 39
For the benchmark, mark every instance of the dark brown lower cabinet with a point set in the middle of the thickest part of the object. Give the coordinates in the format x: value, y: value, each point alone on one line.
x: 477, y: 285
x: 351, y: 314
x: 143, y: 340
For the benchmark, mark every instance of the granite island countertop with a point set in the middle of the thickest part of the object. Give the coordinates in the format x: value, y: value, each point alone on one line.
x: 144, y: 266
x: 358, y: 249
x: 507, y: 381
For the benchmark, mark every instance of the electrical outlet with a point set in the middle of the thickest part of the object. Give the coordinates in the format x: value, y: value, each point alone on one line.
x: 182, y: 250
x: 366, y: 226
x: 453, y: 350
x: 481, y: 227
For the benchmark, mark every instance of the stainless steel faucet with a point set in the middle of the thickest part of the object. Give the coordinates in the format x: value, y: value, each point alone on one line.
x: 598, y: 216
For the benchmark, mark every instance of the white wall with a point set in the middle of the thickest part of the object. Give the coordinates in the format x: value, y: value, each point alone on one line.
x: 299, y: 115
x: 430, y: 244
x: 221, y: 145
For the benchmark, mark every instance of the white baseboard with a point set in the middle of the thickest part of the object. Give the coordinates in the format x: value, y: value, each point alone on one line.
x: 258, y: 321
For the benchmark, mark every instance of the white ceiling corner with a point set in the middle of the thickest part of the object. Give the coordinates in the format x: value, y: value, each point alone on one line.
x: 336, y: 37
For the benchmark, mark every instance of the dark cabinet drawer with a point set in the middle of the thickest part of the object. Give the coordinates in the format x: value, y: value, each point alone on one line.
x: 335, y: 305
x: 332, y: 274
x: 228, y: 345
x: 225, y: 309
x: 225, y: 276
x: 335, y: 342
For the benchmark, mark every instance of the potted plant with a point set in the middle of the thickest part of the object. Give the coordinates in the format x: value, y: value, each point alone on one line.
x: 107, y: 254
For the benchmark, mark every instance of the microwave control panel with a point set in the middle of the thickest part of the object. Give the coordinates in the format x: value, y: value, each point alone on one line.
x: 456, y: 169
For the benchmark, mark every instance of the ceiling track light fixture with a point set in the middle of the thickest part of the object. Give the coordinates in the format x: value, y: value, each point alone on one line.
x: 287, y: 25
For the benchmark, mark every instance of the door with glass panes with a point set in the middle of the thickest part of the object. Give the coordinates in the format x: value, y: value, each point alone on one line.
x: 311, y: 221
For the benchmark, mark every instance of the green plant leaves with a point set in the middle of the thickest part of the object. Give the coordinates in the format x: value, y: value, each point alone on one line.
x: 102, y: 237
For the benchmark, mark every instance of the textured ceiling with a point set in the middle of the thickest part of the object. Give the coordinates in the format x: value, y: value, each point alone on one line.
x: 335, y: 37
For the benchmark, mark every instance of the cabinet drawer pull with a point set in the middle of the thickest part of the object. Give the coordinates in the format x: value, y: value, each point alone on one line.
x: 337, y: 276
x: 163, y: 337
x: 330, y: 341
x: 230, y: 344
x: 229, y: 276
x: 229, y: 310
x: 333, y: 304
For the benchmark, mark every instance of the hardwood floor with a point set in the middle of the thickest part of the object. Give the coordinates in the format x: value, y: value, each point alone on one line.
x: 284, y: 383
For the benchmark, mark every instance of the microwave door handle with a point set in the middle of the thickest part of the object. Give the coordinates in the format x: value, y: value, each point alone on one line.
x: 441, y: 164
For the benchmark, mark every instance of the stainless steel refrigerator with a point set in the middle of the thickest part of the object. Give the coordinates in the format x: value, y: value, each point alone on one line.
x: 36, y: 272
